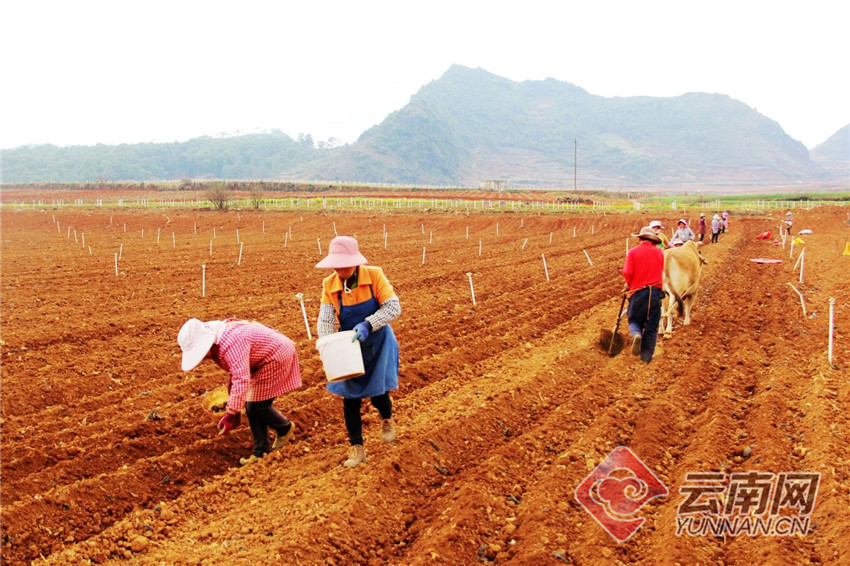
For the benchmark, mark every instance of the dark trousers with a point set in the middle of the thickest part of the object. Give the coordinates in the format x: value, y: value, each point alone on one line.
x: 714, y: 237
x: 262, y: 417
x: 644, y: 315
x: 353, y: 422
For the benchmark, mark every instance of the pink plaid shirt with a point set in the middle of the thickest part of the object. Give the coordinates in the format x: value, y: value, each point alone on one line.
x: 262, y: 362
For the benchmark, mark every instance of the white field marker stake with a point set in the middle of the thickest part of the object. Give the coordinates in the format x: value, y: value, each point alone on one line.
x: 173, y: 240
x: 157, y: 234
x: 497, y: 228
x: 802, y: 301
x: 213, y: 232
x: 58, y: 228
x: 264, y: 226
x: 285, y: 239
x: 545, y: 269
x: 240, y: 253
x: 83, y: 237
x: 335, y: 232
x: 467, y: 232
x: 627, y: 245
x: 799, y: 259
x: 75, y: 237
x: 521, y: 222
x: 203, y: 280
x: 300, y: 297
x: 68, y: 235
x: 550, y: 236
x: 792, y: 247
x: 588, y: 258
x: 802, y: 263
x: 479, y: 247
x: 143, y: 232
x: 237, y: 236
x: 89, y: 250
x: 125, y: 227
x: 385, y: 240
x: 422, y: 224
x: 471, y: 288
x: 831, y: 326
x: 210, y: 248
x: 431, y: 238
x: 319, y: 242
x: 523, y: 244
x: 195, y: 224
x: 120, y: 251
x: 592, y: 229
x: 423, y: 256
x: 116, y: 264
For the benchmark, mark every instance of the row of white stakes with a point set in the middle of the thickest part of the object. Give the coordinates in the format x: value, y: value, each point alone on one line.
x: 118, y: 255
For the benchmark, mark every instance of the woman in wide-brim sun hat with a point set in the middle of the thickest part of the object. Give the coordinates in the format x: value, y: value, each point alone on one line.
x: 262, y: 363
x: 702, y: 226
x: 657, y: 228
x: 359, y: 297
x: 684, y: 232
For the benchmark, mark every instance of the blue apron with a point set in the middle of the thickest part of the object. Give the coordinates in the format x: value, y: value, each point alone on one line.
x: 380, y: 354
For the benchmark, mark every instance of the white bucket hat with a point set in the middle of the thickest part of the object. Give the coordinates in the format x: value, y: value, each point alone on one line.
x: 195, y: 339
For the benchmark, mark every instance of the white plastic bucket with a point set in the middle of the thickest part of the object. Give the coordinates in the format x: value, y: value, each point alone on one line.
x: 341, y: 358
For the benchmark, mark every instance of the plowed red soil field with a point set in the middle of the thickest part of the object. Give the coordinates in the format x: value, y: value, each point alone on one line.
x: 504, y: 407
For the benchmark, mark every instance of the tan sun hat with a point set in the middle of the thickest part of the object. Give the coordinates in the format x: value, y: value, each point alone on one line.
x: 647, y: 233
x: 342, y: 252
x: 195, y: 339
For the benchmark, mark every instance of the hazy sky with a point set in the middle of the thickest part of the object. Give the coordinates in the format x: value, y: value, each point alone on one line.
x: 125, y: 71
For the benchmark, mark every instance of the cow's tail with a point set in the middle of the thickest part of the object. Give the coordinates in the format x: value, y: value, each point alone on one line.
x: 680, y: 304
x: 680, y: 299
x: 691, y: 291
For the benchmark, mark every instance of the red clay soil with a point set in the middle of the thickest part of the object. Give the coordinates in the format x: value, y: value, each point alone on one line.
x: 503, y: 409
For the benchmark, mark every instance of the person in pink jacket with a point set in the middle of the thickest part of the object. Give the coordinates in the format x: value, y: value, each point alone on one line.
x: 262, y: 363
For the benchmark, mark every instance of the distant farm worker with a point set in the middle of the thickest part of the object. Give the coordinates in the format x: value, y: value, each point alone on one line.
x: 684, y: 233
x: 702, y: 226
x: 715, y: 228
x: 788, y: 222
x: 361, y: 298
x: 657, y: 228
x: 724, y: 221
x: 676, y: 243
x: 643, y: 272
x: 262, y: 363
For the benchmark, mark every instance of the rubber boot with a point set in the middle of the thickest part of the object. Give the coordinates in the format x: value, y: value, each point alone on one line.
x: 285, y: 439
x: 250, y: 460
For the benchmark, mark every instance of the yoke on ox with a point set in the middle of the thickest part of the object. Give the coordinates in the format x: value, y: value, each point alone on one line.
x: 682, y: 269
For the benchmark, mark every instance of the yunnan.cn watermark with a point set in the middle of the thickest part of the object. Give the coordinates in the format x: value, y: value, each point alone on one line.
x: 747, y: 503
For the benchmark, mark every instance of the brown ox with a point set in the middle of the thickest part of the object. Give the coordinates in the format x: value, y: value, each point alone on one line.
x: 682, y: 270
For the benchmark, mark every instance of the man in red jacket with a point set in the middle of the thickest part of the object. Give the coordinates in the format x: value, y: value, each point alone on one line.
x: 643, y: 272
